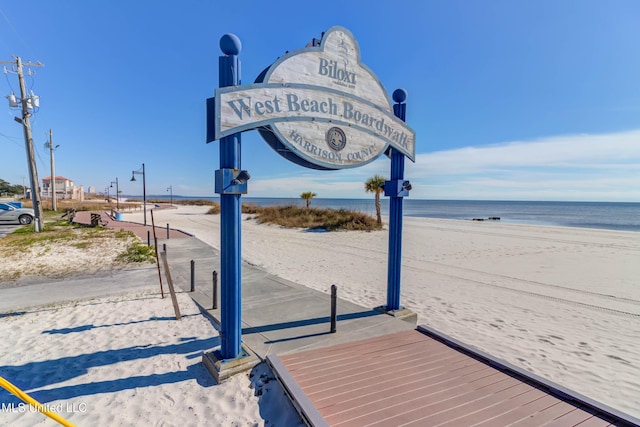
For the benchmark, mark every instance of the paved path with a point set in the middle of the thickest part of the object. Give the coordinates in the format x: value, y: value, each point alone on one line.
x: 278, y: 316
x: 8, y: 229
x: 142, y: 231
x: 38, y: 291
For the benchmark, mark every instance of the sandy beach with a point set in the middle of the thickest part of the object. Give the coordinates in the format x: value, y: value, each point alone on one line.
x: 562, y: 303
x: 126, y: 361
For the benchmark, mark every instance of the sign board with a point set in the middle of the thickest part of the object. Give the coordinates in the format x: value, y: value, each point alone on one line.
x: 319, y: 107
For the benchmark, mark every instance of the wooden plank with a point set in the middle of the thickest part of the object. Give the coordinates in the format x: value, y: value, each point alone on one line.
x: 303, y: 405
x: 553, y: 388
x: 155, y: 247
x: 379, y: 366
x: 393, y: 376
x: 167, y: 273
x: 557, y: 409
x: 375, y: 393
x: 400, y: 380
x: 508, y: 411
x: 442, y: 401
x: 349, y: 348
x: 384, y: 402
x: 346, y: 364
x: 572, y: 418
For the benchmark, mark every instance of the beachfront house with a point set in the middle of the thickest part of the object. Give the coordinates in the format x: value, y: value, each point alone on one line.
x: 65, y: 189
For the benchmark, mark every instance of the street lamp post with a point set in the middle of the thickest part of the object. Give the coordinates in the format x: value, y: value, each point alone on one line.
x: 144, y: 190
x: 117, y: 193
x: 170, y: 190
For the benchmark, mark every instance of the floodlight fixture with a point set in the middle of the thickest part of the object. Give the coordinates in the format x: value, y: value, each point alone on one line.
x: 242, y: 177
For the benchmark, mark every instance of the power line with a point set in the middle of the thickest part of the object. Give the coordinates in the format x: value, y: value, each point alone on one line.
x: 6, y: 18
x: 13, y: 139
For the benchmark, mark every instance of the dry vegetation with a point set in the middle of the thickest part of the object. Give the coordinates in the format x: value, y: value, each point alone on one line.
x: 309, y: 218
x: 312, y: 218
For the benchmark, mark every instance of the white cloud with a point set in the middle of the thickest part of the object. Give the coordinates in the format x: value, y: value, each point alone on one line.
x: 603, y: 167
x: 572, y: 151
x: 574, y: 167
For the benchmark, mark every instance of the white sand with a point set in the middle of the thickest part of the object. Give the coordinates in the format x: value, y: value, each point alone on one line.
x: 126, y: 361
x: 563, y: 303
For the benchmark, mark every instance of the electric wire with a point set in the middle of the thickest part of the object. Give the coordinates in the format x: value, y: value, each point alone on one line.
x: 6, y: 18
x: 6, y: 76
x: 13, y: 139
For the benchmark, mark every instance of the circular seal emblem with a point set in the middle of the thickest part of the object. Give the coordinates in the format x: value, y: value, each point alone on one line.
x: 336, y: 139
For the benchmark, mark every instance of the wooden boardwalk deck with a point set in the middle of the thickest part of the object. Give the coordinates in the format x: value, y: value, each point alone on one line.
x: 412, y: 379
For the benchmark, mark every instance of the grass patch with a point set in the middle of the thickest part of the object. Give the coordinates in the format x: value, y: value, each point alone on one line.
x: 124, y: 234
x: 25, y: 237
x: 81, y: 245
x: 312, y: 218
x: 138, y: 252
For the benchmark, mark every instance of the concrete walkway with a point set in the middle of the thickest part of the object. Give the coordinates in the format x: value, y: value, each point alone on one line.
x: 22, y: 293
x: 278, y: 316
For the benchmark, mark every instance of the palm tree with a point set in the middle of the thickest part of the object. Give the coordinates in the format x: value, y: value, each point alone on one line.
x: 307, y: 196
x: 374, y: 185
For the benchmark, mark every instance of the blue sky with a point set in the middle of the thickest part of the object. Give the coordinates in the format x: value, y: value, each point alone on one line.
x: 509, y: 100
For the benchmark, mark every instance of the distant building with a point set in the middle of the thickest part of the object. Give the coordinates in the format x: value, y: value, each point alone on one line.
x: 91, y: 190
x: 65, y: 189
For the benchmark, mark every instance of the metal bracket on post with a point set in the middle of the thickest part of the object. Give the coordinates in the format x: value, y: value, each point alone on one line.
x: 231, y: 181
x: 397, y: 188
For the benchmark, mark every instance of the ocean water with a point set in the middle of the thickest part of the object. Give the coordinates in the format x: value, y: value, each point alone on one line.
x: 602, y: 215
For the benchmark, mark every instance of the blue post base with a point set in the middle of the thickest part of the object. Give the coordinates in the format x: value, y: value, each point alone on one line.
x: 402, y: 313
x: 222, y: 368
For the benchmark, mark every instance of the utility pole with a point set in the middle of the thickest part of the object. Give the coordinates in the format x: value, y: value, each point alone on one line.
x: 51, y: 148
x: 26, y: 103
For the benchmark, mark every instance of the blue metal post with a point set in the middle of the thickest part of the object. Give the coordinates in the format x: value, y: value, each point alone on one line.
x: 395, y: 214
x: 230, y: 232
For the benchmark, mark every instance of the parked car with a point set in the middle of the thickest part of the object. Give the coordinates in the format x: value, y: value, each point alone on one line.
x: 10, y: 213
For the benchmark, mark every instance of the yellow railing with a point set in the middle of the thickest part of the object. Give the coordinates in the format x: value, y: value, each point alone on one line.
x: 34, y: 403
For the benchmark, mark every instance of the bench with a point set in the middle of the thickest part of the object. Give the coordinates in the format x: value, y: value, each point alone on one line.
x: 96, y: 220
